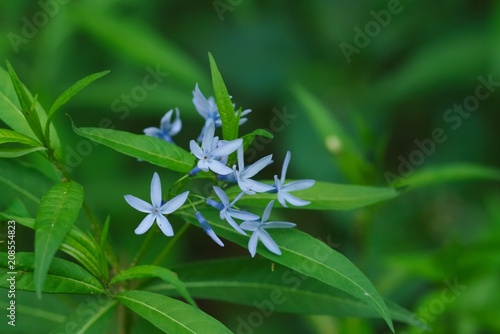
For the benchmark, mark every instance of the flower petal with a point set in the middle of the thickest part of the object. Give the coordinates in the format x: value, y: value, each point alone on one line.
x: 164, y: 225
x: 234, y: 225
x: 285, y: 166
x: 255, y: 186
x: 200, y: 102
x: 214, y: 237
x: 241, y: 161
x: 203, y: 165
x: 278, y: 225
x: 196, y: 149
x: 222, y: 196
x: 269, y: 242
x: 174, y: 203
x: 227, y: 148
x: 294, y: 200
x: 138, y: 204
x: 152, y: 132
x: 165, y: 120
x: 156, y: 191
x: 243, y: 215
x: 219, y: 168
x: 236, y: 199
x: 257, y: 166
x: 208, y: 137
x: 145, y: 224
x: 252, y: 243
x: 250, y: 225
x: 176, y: 125
x: 298, y: 185
x: 267, y: 211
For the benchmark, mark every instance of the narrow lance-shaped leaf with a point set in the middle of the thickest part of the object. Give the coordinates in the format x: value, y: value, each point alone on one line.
x: 226, y: 110
x: 323, y: 196
x: 56, y: 215
x: 61, y: 277
x: 150, y: 149
x: 22, y: 144
x: 260, y: 283
x: 98, y: 322
x: 249, y: 137
x: 68, y: 94
x: 26, y: 103
x: 311, y: 257
x: 170, y: 315
x: 148, y: 271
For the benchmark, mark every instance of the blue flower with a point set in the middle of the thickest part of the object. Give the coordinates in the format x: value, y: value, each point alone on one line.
x: 227, y: 212
x: 157, y: 208
x: 213, y: 153
x: 243, y: 174
x: 208, y: 230
x: 259, y: 232
x: 283, y: 189
x: 207, y: 108
x: 167, y: 129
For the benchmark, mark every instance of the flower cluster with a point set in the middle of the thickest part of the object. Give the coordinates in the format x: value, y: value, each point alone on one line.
x: 212, y: 155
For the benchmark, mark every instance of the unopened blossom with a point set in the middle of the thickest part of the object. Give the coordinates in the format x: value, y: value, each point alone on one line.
x: 168, y: 128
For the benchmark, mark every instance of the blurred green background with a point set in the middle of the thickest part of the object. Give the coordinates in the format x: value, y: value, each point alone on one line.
x: 285, y: 61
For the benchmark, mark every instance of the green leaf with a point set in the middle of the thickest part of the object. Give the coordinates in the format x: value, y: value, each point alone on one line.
x: 150, y: 149
x: 62, y: 276
x: 448, y: 173
x: 76, y: 244
x: 249, y: 137
x: 97, y: 322
x: 26, y: 144
x: 26, y: 103
x: 323, y: 196
x: 57, y: 213
x: 148, y: 271
x: 275, y: 288
x: 68, y: 94
x: 309, y: 256
x: 347, y: 154
x: 228, y: 117
x: 170, y: 315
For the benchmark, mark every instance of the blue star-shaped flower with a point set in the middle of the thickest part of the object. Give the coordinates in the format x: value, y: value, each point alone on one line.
x: 167, y: 129
x: 211, y: 155
x: 243, y: 174
x: 226, y: 209
x: 259, y: 232
x: 156, y: 209
x: 207, y: 108
x: 283, y: 189
x: 208, y: 230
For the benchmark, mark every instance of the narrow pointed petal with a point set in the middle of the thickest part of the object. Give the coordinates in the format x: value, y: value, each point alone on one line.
x: 257, y: 166
x: 222, y: 196
x: 237, y: 198
x: 200, y: 102
x: 166, y: 120
x: 279, y: 225
x: 156, y: 191
x: 176, y: 125
x: 227, y: 148
x: 138, y: 204
x: 145, y: 224
x: 234, y: 225
x: 267, y: 211
x: 298, y: 185
x: 196, y: 149
x: 218, y: 167
x: 285, y: 166
x: 256, y: 186
x: 281, y: 198
x: 269, y: 242
x: 241, y: 162
x: 165, y: 226
x: 294, y: 200
x: 214, y: 237
x: 152, y: 132
x: 208, y: 137
x: 245, y: 186
x: 252, y: 243
x: 243, y: 215
x: 250, y: 225
x: 174, y: 203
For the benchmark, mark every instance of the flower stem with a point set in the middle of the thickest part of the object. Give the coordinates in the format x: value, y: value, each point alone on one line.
x: 144, y: 247
x: 159, y: 259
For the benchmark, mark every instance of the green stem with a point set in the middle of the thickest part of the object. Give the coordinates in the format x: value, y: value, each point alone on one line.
x: 144, y: 247
x: 159, y: 259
